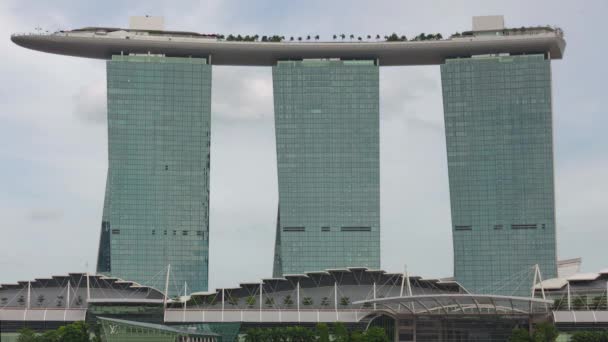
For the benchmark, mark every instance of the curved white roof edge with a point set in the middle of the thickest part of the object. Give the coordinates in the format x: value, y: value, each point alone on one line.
x: 433, y: 52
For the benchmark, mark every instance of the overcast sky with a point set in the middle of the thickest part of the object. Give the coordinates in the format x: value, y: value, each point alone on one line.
x: 53, y: 141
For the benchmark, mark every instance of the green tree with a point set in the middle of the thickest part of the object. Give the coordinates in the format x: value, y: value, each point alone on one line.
x: 357, y: 336
x: 254, y: 335
x: 520, y: 335
x: 580, y: 303
x: 307, y: 301
x: 75, y: 332
x: 560, y: 303
x: 340, y: 332
x: 250, y: 300
x: 288, y: 301
x: 26, y: 335
x: 545, y: 332
x: 50, y: 336
x: 4, y: 301
x: 21, y: 300
x: 599, y: 303
x: 392, y: 38
x: 322, y: 331
x: 376, y: 334
x: 589, y: 336
x: 344, y: 301
x: 325, y: 301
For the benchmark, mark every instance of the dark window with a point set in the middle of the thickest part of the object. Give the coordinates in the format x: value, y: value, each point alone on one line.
x: 166, y: 167
x: 294, y: 229
x: 165, y: 232
x: 199, y: 232
x: 175, y: 232
x: 325, y: 229
x: 356, y: 229
x: 523, y: 226
x: 153, y: 232
x: 184, y: 232
x: 115, y: 231
x: 463, y: 228
x: 498, y: 226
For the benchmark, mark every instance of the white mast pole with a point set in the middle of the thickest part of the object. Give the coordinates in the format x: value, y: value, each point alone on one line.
x: 336, y: 298
x: 298, y: 298
x: 540, y: 279
x: 261, y: 298
x: 69, y: 288
x: 185, y: 294
x: 375, y: 294
x: 534, y: 280
x: 167, y: 286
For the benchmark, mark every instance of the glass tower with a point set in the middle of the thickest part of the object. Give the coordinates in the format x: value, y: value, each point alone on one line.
x: 327, y: 136
x: 498, y: 123
x: 156, y: 209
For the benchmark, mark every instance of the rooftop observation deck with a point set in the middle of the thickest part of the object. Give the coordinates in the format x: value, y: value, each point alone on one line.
x: 102, y: 43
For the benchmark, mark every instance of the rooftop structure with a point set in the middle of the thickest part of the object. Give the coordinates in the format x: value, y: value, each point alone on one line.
x: 579, y: 300
x: 147, y: 37
x: 119, y: 330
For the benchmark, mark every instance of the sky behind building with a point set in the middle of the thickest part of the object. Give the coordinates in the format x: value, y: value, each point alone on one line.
x: 53, y: 145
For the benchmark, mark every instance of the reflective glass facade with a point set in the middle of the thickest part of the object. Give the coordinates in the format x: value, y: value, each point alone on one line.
x: 498, y: 122
x: 156, y: 210
x: 327, y: 136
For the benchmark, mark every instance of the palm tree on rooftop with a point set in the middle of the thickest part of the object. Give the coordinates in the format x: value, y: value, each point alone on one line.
x: 342, y: 36
x: 377, y: 37
x: 335, y: 37
x: 369, y: 37
x: 352, y: 36
x: 317, y: 37
x: 307, y: 37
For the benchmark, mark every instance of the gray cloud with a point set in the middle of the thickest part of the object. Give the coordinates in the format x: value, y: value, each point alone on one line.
x: 45, y: 215
x: 90, y: 103
x: 242, y: 94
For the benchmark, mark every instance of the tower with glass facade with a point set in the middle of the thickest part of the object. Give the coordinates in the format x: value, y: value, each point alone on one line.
x: 327, y: 141
x: 498, y: 123
x: 156, y: 209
